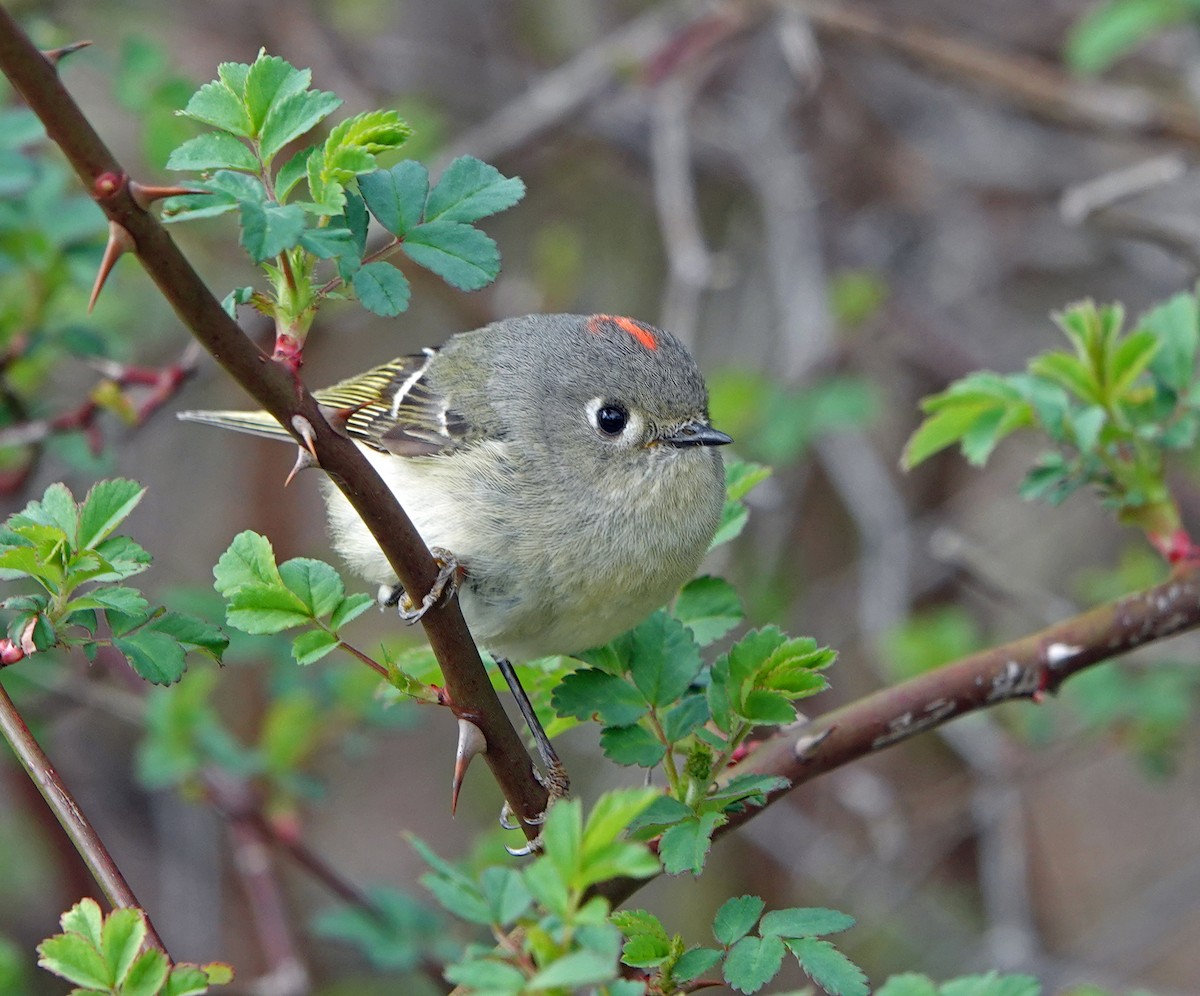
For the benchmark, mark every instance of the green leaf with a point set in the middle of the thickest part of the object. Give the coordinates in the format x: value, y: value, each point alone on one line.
x: 396, y: 196
x: 469, y: 190
x: 575, y: 971
x: 290, y: 731
x: 329, y: 242
x: 1069, y: 372
x: 397, y: 934
x: 106, y: 506
x: 631, y: 745
x: 120, y: 939
x: 462, y: 256
x: 548, y: 886
x: 685, y: 845
x: 213, y: 150
x: 261, y: 610
x: 292, y: 116
x: 801, y: 922
x: 192, y: 980
x: 828, y: 967
x: 1086, y: 426
x: 663, y: 812
x: 749, y: 788
x: 487, y: 976
x: 269, y: 81
x: 742, y: 477
x: 191, y: 633
x: 663, y: 659
x: 269, y: 229
x: 382, y: 289
x: 691, y: 713
x: 155, y: 656
x: 1127, y: 362
x: 591, y: 692
x: 1176, y: 324
x: 56, y: 509
x: 372, y: 131
x: 695, y: 962
x: 612, y: 815
x: 85, y: 919
x: 562, y: 837
x: 736, y: 918
x: 992, y: 984
x: 647, y: 943
x: 148, y: 974
x: 908, y: 984
x: 75, y: 959
x: 753, y: 962
x: 505, y: 893
x: 249, y: 559
x: 237, y: 296
x: 292, y: 172
x: 314, y: 582
x: 313, y: 644
x: 709, y: 607
x: 217, y: 105
x: 1110, y: 30
x: 349, y: 609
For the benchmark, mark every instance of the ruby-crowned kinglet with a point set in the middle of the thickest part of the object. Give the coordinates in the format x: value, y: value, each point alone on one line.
x: 566, y: 461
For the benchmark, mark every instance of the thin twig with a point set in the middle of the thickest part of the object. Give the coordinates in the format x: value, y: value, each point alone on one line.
x: 58, y: 797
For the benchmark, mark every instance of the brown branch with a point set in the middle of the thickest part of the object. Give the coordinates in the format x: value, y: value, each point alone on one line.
x: 76, y: 826
x: 1028, y: 668
x: 280, y: 393
x: 1034, y: 86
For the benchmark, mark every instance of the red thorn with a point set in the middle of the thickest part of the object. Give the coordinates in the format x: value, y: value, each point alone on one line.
x: 55, y: 55
x: 144, y: 195
x: 119, y: 242
x: 471, y: 743
x: 107, y: 184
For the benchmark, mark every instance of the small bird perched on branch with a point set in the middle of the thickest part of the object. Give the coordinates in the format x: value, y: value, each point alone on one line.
x: 566, y: 462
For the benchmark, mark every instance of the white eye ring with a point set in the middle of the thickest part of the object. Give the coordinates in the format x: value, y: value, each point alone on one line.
x: 605, y: 415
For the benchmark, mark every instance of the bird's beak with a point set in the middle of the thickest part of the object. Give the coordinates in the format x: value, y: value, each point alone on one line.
x: 696, y: 434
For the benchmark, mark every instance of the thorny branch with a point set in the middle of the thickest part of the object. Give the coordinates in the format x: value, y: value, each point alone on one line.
x: 278, y: 391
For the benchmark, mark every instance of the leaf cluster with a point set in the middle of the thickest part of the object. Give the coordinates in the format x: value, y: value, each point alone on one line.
x: 1111, y: 406
x: 748, y: 958
x: 317, y: 205
x: 102, y: 955
x: 558, y: 939
x: 76, y: 561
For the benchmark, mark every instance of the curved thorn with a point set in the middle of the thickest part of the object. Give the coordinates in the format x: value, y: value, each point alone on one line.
x: 119, y: 242
x: 144, y: 195
x: 471, y: 743
x: 306, y: 432
x: 55, y: 55
x: 304, y: 460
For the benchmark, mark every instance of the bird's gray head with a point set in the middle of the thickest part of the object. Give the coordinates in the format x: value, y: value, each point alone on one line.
x: 604, y: 385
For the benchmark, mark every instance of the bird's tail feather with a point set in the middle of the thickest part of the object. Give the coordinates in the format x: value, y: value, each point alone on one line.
x: 254, y: 423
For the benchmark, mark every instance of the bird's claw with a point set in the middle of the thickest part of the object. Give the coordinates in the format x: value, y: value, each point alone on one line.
x: 444, y: 586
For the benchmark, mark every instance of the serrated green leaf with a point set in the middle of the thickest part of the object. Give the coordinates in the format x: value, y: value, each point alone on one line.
x: 462, y: 256
x: 269, y: 229
x: 748, y: 787
x: 75, y: 959
x: 736, y: 917
x: 685, y: 718
x: 294, y: 115
x: 191, y: 980
x: 505, y: 893
x: 106, y: 506
x: 562, y: 837
x: 313, y: 644
x: 828, y: 967
x: 213, y: 150
x: 469, y: 190
x: 292, y: 172
x: 645, y: 952
x: 371, y: 131
x: 329, y: 242
x: 612, y: 814
x: 591, y: 692
x: 548, y: 886
x: 218, y: 105
x: 85, y: 919
x: 120, y: 939
x: 1128, y: 360
x: 684, y: 846
x: 663, y: 812
x: 805, y: 922
x: 382, y: 289
x: 753, y: 962
x: 270, y: 81
x: 1176, y: 324
x: 396, y: 196
x: 349, y: 609
x: 192, y: 633
x: 237, y: 296
x: 463, y: 899
x: 695, y: 962
x: 575, y: 971
x: 709, y: 607
x: 261, y: 609
x: 742, y: 477
x: 148, y: 975
x: 249, y: 559
x: 155, y: 656
x: 1069, y: 372
x: 663, y: 658
x: 631, y: 746
x: 317, y: 584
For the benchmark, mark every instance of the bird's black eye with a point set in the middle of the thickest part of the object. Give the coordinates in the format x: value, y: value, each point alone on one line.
x: 611, y: 419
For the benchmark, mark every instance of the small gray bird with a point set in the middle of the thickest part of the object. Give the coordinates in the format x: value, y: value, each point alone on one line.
x: 566, y: 461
